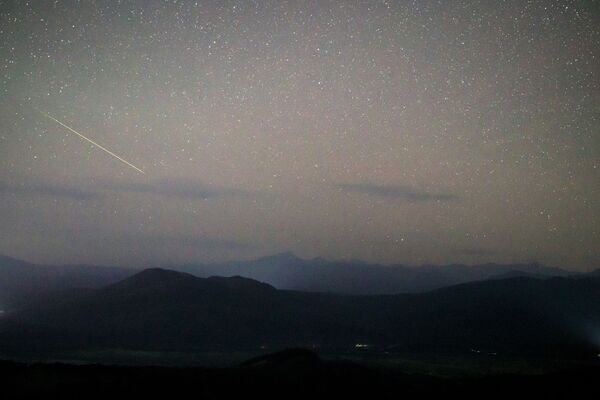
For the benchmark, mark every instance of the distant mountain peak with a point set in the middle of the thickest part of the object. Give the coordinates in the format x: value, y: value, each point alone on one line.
x: 153, y: 273
x: 155, y: 277
x: 239, y: 282
x: 286, y: 256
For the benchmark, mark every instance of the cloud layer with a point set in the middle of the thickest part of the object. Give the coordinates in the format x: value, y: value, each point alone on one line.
x: 43, y: 189
x: 398, y: 192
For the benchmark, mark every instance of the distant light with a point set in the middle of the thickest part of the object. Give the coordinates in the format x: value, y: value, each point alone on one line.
x: 362, y: 346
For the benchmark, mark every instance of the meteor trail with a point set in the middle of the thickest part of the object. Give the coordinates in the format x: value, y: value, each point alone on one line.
x: 91, y: 141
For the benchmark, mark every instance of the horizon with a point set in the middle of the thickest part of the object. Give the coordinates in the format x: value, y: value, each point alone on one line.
x: 304, y: 259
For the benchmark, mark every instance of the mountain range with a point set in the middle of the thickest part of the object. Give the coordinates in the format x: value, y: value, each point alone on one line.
x: 287, y: 271
x: 20, y: 280
x: 162, y: 310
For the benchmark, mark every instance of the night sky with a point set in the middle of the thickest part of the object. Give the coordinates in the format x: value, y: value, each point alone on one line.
x: 394, y: 132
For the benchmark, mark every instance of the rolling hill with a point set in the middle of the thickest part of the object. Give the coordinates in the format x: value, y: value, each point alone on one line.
x: 287, y: 271
x: 20, y: 280
x: 165, y: 310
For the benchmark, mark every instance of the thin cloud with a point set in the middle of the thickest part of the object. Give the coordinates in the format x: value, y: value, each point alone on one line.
x: 178, y: 188
x: 49, y: 190
x: 165, y: 187
x: 399, y: 192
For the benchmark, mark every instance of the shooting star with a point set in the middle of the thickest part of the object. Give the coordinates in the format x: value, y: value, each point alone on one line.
x: 91, y: 141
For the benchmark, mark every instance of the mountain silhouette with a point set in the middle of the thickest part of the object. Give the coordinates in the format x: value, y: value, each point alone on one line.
x: 287, y: 271
x: 166, y: 310
x: 20, y: 280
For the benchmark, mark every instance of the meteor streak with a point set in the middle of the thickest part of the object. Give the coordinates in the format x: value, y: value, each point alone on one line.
x: 91, y: 141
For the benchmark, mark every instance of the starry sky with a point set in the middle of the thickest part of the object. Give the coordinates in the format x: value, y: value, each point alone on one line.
x: 413, y: 132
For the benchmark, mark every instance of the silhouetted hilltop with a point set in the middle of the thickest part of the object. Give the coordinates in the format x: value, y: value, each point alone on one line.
x: 162, y: 279
x: 287, y: 271
x: 165, y: 310
x: 152, y: 278
x: 21, y: 280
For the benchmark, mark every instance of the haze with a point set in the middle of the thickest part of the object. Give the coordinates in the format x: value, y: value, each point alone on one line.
x: 392, y: 132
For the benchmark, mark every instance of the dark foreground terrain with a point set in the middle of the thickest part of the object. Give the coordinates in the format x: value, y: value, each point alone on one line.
x: 161, y: 310
x: 168, y: 334
x: 288, y: 374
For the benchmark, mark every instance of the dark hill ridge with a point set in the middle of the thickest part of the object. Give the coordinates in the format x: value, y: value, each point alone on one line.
x: 157, y: 275
x: 166, y: 310
x: 159, y: 279
x: 594, y: 273
x: 21, y: 280
x: 287, y: 271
